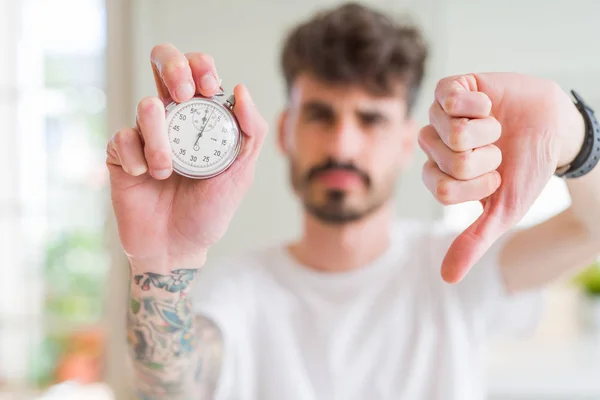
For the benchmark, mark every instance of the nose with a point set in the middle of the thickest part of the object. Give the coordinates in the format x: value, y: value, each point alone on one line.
x: 345, y: 141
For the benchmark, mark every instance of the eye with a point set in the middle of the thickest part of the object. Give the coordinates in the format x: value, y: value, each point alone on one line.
x: 372, y: 119
x: 318, y: 115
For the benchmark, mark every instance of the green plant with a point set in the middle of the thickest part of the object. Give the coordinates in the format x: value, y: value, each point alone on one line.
x: 75, y: 269
x: 76, y: 264
x: 589, y: 279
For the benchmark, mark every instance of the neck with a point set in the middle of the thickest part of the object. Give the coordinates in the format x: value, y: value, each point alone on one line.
x: 343, y: 247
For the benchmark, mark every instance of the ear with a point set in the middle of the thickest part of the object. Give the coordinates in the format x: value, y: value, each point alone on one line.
x: 282, y: 139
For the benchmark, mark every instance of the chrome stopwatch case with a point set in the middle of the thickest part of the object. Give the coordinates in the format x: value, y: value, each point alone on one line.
x: 204, y: 135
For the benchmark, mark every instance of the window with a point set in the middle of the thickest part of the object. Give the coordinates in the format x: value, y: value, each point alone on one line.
x: 52, y: 196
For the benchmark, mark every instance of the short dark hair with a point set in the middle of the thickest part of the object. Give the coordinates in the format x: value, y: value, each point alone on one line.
x: 355, y: 44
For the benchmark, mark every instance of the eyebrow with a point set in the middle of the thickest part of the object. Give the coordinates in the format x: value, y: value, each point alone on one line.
x: 322, y: 106
x: 315, y: 105
x: 362, y: 114
x: 372, y: 114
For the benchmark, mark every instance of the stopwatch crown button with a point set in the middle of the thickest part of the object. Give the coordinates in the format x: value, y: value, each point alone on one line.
x: 230, y: 102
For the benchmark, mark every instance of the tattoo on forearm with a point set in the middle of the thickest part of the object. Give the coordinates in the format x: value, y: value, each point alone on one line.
x: 175, y: 356
x: 176, y: 282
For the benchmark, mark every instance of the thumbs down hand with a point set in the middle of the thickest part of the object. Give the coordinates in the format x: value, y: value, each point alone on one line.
x: 496, y: 138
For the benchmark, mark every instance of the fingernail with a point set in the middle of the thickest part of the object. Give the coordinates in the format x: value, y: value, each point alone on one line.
x: 161, y: 173
x: 185, y: 91
x: 139, y: 170
x: 208, y: 83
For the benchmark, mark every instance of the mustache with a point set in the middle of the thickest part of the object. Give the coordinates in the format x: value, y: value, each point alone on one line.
x: 331, y: 164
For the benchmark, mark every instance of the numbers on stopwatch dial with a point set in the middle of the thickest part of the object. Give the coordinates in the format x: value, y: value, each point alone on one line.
x: 201, y: 134
x: 204, y: 116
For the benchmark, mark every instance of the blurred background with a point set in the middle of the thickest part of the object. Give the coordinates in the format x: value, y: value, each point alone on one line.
x: 71, y: 73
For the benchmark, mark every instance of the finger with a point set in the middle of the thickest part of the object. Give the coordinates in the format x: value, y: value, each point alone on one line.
x: 153, y: 128
x: 252, y: 124
x: 462, y: 134
x: 204, y: 73
x: 458, y: 97
x: 172, y: 74
x: 471, y: 245
x: 448, y: 190
x: 126, y: 149
x: 464, y: 165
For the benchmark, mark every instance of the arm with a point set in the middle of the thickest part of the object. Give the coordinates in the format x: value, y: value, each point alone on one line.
x: 175, y: 355
x: 498, y: 138
x: 165, y: 219
x: 564, y: 243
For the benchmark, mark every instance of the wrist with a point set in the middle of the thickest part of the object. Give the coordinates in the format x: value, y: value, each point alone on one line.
x: 165, y: 264
x: 574, y: 138
x: 173, y: 285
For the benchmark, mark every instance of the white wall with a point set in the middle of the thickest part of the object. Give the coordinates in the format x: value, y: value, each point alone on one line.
x: 245, y: 37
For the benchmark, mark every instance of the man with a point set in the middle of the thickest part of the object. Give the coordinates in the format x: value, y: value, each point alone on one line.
x: 356, y: 307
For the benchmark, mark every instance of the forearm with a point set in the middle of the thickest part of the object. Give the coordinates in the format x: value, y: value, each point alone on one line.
x: 567, y: 242
x: 560, y: 246
x: 174, y: 355
x: 585, y: 200
x: 553, y: 249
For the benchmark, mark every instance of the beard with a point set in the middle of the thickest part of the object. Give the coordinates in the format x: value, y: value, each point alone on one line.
x: 336, y: 206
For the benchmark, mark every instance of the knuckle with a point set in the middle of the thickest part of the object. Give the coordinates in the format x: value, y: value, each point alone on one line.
x: 175, y: 69
x: 496, y: 156
x: 201, y: 63
x: 443, y: 192
x: 110, y: 150
x: 487, y: 102
x: 431, y: 112
x: 450, y: 102
x: 160, y: 48
x: 423, y: 139
x: 147, y: 105
x: 204, y: 58
x: 491, y: 183
x: 439, y: 85
x: 122, y: 138
x: 443, y: 83
x: 428, y: 133
x: 496, y: 128
x: 427, y: 169
x: 457, y: 139
x: 158, y: 159
x: 460, y: 167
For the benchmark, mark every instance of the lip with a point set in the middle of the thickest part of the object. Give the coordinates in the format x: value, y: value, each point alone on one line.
x: 339, y: 179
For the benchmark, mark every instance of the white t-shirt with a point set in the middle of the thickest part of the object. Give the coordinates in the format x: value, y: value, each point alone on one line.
x: 392, y: 329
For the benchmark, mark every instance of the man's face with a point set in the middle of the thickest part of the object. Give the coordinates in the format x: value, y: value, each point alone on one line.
x: 345, y: 146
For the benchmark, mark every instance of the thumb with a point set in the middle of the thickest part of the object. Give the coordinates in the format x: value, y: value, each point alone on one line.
x: 252, y: 123
x: 471, y: 245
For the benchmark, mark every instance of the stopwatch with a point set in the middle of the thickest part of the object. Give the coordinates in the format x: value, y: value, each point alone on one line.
x: 204, y: 135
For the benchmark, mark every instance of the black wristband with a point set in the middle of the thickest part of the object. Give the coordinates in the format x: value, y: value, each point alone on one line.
x: 589, y: 155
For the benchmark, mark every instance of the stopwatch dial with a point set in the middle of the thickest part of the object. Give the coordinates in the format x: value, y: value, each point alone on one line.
x: 204, y: 117
x: 203, y: 136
